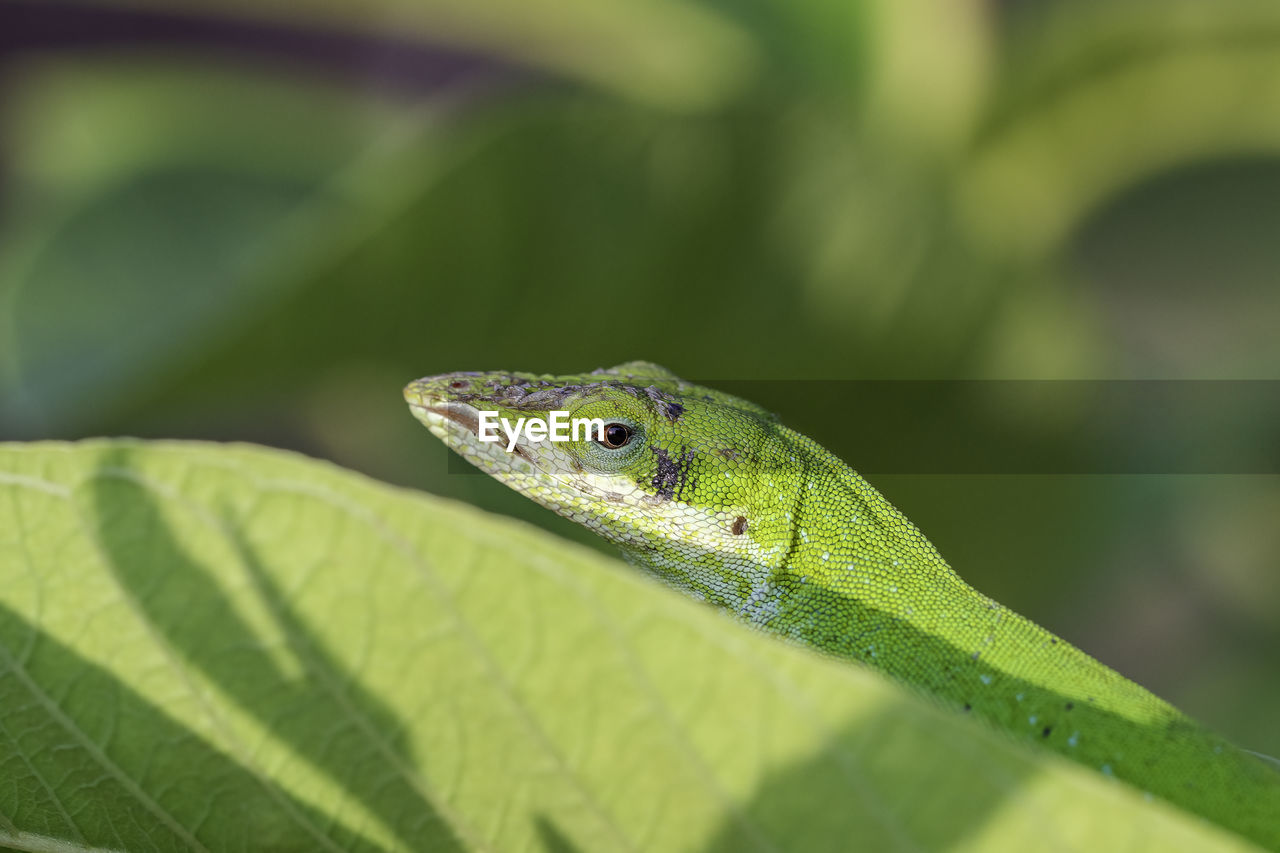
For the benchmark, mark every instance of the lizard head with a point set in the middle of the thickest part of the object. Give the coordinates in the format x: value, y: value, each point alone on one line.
x: 690, y: 482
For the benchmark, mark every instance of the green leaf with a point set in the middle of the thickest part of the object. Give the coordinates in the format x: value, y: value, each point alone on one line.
x: 234, y: 648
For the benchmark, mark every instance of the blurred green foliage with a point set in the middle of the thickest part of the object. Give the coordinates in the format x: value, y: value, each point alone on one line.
x: 226, y: 243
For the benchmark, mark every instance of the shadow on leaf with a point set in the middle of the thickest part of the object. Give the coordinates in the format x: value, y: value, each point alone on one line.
x: 321, y: 714
x: 906, y: 796
x: 125, y: 774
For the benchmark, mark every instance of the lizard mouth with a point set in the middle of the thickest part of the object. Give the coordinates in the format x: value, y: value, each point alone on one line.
x: 428, y: 404
x: 460, y: 413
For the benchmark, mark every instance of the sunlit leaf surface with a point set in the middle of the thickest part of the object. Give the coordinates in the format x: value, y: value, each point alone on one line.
x: 233, y: 648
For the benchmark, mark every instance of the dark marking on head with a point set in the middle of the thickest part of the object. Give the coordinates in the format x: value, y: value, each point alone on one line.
x: 672, y: 474
x: 524, y: 394
x: 667, y: 406
x: 519, y: 451
x: 577, y: 466
x: 547, y: 398
x: 739, y: 525
x: 1045, y: 732
x: 1070, y: 705
x: 729, y: 453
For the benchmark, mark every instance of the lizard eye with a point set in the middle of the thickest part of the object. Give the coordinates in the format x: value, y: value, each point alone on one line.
x: 616, y: 435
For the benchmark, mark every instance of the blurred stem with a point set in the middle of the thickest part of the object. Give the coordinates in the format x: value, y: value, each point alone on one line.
x: 666, y: 53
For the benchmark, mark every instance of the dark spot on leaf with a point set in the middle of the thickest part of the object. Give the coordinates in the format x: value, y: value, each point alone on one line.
x: 1045, y: 731
x: 1070, y: 705
x: 967, y: 707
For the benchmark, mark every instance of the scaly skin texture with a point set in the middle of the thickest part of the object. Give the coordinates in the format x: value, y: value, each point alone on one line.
x: 715, y: 497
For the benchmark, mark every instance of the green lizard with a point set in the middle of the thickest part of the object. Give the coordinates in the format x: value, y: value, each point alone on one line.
x: 711, y: 494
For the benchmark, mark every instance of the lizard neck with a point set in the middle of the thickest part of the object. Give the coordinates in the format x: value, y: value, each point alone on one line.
x: 869, y: 586
x: 865, y: 584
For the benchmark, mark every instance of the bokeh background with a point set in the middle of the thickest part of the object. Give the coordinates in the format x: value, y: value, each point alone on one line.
x: 256, y: 221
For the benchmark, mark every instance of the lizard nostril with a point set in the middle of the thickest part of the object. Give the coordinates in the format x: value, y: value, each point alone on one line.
x: 739, y: 525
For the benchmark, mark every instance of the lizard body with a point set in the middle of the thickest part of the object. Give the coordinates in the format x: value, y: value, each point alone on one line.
x: 711, y: 494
